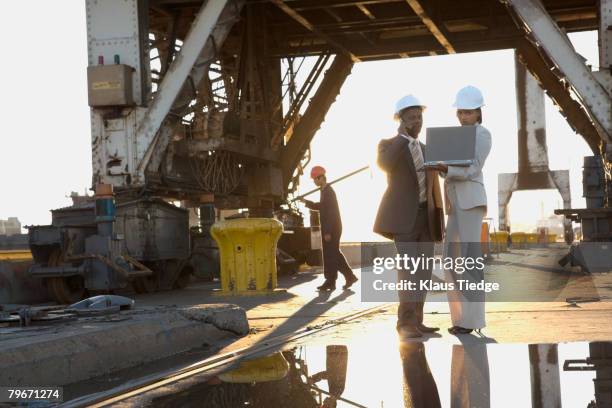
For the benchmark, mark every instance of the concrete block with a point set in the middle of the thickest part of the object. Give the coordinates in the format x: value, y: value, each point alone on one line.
x: 223, y: 316
x: 76, y: 351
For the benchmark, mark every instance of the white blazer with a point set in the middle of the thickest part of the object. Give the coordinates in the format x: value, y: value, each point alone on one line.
x: 468, y: 182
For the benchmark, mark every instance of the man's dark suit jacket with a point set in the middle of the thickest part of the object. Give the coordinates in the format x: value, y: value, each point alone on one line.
x: 400, y: 203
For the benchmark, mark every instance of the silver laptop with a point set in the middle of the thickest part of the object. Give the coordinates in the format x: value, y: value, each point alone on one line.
x: 453, y: 146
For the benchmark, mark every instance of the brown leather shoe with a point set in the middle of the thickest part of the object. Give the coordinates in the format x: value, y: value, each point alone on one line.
x: 424, y: 329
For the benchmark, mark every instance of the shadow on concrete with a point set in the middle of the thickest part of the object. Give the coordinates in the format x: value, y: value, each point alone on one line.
x: 552, y: 269
x: 474, y: 339
x: 423, y: 339
x: 201, y: 293
x: 309, y: 312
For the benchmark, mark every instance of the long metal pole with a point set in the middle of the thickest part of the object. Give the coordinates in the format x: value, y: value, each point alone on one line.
x: 332, y: 182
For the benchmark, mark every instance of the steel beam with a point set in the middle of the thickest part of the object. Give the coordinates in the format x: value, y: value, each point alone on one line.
x: 604, y: 75
x: 306, y: 24
x: 199, y: 50
x: 554, y: 43
x: 531, y: 115
x: 118, y: 28
x: 605, y: 35
x: 545, y: 377
x: 319, y: 4
x: 508, y: 183
x: 431, y: 25
x: 157, y: 149
x: 574, y: 112
x: 176, y: 76
x: 533, y: 170
x: 314, y: 115
x: 365, y: 11
x: 166, y: 58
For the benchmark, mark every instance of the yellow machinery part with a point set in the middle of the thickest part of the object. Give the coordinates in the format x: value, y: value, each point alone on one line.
x: 270, y: 368
x: 519, y: 239
x: 15, y: 255
x: 247, y: 248
x: 499, y: 241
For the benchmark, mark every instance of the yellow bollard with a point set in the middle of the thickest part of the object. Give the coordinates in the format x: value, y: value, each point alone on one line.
x: 269, y: 368
x: 247, y: 248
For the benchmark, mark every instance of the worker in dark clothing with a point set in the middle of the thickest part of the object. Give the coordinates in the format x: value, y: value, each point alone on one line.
x: 331, y: 229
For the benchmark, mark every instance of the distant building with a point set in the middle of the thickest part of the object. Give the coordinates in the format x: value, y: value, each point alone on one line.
x: 12, y: 226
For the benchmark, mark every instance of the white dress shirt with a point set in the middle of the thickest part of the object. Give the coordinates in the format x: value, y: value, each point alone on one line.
x: 418, y: 160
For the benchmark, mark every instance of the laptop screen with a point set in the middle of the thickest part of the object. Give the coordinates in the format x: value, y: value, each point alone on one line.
x: 449, y: 144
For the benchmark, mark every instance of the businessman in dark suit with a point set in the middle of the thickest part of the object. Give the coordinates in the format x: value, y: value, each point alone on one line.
x: 411, y: 210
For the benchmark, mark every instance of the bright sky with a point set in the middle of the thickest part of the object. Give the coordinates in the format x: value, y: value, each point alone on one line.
x: 46, y: 143
x: 362, y: 115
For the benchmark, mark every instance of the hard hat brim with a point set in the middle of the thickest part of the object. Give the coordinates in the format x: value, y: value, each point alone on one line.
x: 467, y: 107
x: 397, y: 114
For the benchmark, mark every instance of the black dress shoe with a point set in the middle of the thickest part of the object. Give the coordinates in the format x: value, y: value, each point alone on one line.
x: 327, y: 286
x: 459, y: 330
x: 424, y: 329
x: 408, y: 332
x: 350, y: 281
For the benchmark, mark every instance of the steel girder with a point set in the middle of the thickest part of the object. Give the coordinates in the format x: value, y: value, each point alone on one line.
x: 551, y: 41
x: 130, y: 141
x: 207, y: 33
x: 533, y: 170
x: 313, y: 117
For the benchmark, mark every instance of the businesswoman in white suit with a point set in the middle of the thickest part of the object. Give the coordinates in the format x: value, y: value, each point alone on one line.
x: 466, y: 207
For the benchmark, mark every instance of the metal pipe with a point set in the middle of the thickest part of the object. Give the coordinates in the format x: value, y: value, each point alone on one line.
x: 331, y: 182
x: 337, y: 398
x: 105, y: 209
x: 56, y: 271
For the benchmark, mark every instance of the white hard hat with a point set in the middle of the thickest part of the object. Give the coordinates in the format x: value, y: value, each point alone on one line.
x: 469, y: 97
x: 407, y: 101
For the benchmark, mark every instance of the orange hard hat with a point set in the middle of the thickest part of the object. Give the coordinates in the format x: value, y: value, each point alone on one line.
x: 317, y: 171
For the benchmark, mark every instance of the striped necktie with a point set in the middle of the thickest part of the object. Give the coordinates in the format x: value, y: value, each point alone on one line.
x: 417, y: 157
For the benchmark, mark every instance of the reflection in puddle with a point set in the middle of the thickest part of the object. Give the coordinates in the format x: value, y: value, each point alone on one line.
x: 416, y: 375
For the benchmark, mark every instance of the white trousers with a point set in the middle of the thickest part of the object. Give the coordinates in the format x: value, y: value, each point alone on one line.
x: 470, y: 380
x: 463, y: 226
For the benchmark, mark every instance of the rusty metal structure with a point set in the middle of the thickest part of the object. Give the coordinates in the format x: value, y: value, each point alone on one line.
x: 533, y: 170
x: 215, y: 103
x: 224, y: 99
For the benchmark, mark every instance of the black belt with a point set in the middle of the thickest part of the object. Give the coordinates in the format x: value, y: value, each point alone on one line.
x: 423, y: 205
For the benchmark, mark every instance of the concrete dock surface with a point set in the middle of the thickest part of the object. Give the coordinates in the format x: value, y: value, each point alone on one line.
x: 164, y: 331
